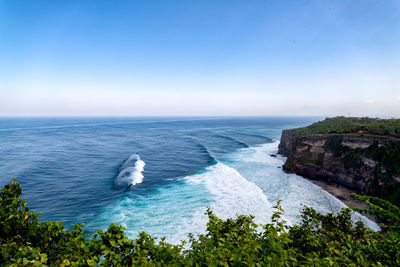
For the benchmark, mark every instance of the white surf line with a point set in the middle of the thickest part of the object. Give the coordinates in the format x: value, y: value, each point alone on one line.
x: 325, y: 194
x: 234, y: 194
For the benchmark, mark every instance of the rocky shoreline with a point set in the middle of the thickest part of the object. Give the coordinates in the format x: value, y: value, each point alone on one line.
x: 345, y: 195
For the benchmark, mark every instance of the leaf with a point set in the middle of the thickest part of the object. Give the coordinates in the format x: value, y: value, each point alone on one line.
x: 43, y: 258
x: 112, y: 243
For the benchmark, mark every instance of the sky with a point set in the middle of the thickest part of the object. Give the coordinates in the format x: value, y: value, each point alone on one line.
x: 200, y: 58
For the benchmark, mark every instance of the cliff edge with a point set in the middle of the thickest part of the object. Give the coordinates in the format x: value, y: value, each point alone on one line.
x: 361, y: 154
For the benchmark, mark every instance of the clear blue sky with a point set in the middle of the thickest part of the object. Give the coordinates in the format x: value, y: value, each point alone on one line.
x: 138, y: 58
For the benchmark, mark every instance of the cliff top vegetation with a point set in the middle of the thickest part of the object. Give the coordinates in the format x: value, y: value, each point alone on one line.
x: 349, y: 125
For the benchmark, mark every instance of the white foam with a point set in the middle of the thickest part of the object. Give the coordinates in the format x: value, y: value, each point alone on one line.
x: 172, y: 211
x: 245, y: 182
x: 131, y: 174
x: 137, y: 174
x: 257, y: 165
x: 178, y: 209
x: 233, y: 194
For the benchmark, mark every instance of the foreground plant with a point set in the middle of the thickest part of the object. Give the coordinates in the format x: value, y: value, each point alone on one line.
x: 318, y: 240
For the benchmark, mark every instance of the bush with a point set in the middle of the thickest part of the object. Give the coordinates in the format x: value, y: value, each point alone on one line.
x: 318, y: 240
x: 342, y: 125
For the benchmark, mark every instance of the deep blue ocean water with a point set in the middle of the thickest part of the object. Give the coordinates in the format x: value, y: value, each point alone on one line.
x: 154, y: 174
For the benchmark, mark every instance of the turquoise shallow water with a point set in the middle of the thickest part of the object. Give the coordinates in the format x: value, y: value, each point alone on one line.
x: 154, y: 174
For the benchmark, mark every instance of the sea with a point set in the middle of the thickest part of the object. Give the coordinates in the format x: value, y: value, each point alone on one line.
x: 156, y: 174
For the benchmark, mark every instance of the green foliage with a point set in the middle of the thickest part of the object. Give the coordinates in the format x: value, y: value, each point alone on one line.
x: 388, y: 155
x: 383, y: 209
x: 341, y: 125
x: 288, y: 165
x: 384, y: 149
x: 26, y: 241
x: 334, y: 144
x: 320, y: 240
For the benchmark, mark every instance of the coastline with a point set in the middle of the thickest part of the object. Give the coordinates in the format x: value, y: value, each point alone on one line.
x: 345, y: 155
x: 345, y: 195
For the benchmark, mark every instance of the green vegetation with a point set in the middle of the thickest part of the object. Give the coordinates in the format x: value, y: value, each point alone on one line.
x: 388, y: 158
x: 388, y: 155
x: 384, y: 149
x: 341, y: 125
x: 351, y: 158
x: 288, y: 165
x: 386, y: 211
x: 320, y: 240
x: 388, y: 166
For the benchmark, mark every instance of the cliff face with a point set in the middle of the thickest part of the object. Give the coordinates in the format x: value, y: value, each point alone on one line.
x: 364, y: 163
x: 287, y: 142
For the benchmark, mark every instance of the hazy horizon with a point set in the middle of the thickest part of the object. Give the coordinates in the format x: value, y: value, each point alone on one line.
x: 184, y: 58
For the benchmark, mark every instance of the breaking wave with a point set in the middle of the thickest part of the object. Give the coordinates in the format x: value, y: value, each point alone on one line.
x: 247, y: 181
x: 204, y: 151
x: 178, y: 208
x: 131, y: 171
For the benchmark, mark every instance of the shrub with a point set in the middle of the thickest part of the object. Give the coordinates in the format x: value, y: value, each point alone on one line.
x: 320, y: 240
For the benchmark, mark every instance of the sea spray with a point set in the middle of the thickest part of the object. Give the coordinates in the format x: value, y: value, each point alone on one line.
x: 131, y: 171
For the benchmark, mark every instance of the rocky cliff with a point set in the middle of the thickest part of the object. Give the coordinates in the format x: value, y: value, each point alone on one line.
x: 365, y: 163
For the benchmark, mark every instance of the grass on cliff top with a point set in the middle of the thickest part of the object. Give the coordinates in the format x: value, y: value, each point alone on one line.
x: 388, y: 127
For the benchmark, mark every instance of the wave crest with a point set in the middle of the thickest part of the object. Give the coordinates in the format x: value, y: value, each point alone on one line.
x: 204, y: 150
x: 239, y: 143
x: 131, y: 171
